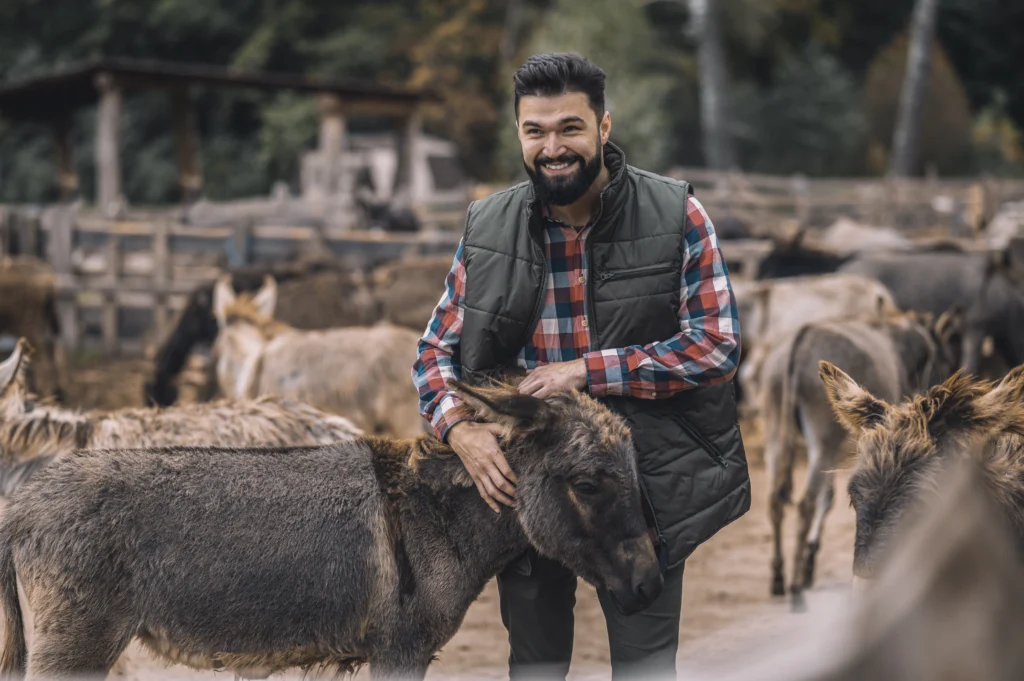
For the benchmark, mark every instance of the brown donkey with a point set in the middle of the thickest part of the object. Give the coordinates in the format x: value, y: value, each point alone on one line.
x: 32, y: 433
x: 367, y: 551
x: 903, y: 448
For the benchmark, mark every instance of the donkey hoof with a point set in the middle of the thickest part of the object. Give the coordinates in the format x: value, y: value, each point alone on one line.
x: 778, y: 586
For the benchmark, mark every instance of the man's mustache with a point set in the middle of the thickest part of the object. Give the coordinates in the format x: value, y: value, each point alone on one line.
x: 564, y: 158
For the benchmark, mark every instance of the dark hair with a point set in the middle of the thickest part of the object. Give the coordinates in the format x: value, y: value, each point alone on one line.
x: 549, y: 75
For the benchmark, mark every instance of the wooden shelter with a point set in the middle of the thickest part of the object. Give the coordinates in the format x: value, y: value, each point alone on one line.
x: 54, y: 98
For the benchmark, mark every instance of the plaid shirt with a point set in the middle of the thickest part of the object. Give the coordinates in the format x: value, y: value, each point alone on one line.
x: 705, y: 351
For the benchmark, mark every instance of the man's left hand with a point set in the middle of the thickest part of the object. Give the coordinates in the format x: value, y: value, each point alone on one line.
x: 549, y: 379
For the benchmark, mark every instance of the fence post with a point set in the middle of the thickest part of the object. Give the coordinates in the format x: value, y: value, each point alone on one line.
x: 5, y: 230
x: 61, y: 242
x: 239, y: 246
x: 111, y: 340
x: 802, y: 199
x: 161, y: 275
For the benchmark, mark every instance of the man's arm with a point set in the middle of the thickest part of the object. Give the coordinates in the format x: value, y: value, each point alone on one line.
x: 437, y: 354
x: 706, y: 350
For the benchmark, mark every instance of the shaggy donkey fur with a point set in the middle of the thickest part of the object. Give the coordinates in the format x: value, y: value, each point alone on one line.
x: 896, y: 356
x: 361, y: 373
x: 32, y: 434
x: 903, y: 448
x: 364, y: 551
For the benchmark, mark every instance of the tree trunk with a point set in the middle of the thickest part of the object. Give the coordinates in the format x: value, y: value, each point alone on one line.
x: 719, y: 152
x: 915, y: 85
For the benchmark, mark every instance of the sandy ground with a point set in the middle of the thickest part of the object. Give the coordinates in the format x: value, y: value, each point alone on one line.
x: 726, y: 603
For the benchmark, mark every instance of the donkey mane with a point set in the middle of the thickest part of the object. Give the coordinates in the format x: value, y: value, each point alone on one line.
x: 243, y: 311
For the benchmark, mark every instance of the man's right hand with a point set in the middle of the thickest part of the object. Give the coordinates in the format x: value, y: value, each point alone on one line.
x: 477, y: 446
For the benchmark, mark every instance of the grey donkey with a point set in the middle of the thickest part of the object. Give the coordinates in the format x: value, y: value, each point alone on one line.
x: 894, y: 356
x: 367, y: 551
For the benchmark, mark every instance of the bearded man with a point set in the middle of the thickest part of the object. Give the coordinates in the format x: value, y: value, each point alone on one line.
x: 597, y: 276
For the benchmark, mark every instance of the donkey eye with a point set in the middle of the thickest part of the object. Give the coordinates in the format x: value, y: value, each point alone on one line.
x: 585, y: 487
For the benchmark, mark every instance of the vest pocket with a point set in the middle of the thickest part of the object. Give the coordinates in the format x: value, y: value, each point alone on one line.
x: 709, y: 447
x: 629, y: 273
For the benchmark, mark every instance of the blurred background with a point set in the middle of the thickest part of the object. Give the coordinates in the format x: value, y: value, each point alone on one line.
x: 803, y: 86
x: 149, y: 147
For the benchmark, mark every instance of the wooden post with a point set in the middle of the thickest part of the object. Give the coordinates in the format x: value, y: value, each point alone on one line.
x: 109, y: 199
x: 161, y: 275
x: 108, y: 322
x: 332, y: 139
x: 409, y: 132
x: 61, y: 243
x: 186, y: 142
x: 67, y: 178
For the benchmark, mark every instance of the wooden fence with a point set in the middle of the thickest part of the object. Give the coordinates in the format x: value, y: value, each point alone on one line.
x: 120, y: 282
x: 954, y: 207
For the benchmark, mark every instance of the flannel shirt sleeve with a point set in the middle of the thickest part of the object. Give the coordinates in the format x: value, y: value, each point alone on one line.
x: 705, y: 351
x: 437, y: 354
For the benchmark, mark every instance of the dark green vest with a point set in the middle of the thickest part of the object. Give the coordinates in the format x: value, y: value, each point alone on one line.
x: 692, y: 464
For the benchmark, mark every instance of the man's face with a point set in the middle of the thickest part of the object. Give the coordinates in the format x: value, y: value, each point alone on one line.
x: 562, y: 145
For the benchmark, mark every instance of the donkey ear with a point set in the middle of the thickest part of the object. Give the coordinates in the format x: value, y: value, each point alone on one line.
x: 12, y: 368
x: 265, y: 299
x: 13, y: 391
x: 223, y: 297
x: 855, y: 407
x: 505, y: 407
x: 1002, y: 408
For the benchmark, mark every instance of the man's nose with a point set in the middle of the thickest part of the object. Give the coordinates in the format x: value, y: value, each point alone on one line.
x: 553, y: 146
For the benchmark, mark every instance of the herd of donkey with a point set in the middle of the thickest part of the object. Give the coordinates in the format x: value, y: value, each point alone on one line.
x: 299, y: 514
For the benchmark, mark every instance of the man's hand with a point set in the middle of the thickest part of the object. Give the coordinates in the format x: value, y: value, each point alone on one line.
x: 477, y: 446
x: 546, y: 380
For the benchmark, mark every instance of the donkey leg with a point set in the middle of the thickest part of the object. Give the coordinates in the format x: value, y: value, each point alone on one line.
x: 74, y: 649
x: 780, y: 484
x: 808, y: 502
x: 826, y: 496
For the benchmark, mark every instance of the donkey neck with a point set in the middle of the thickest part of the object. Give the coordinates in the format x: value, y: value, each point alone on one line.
x: 444, y: 527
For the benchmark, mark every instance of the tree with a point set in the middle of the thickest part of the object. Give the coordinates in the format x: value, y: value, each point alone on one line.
x: 908, y: 123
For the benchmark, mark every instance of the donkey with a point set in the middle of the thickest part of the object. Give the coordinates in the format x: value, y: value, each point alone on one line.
x: 896, y: 356
x: 359, y: 372
x: 314, y: 294
x: 28, y: 307
x: 32, y: 433
x: 366, y: 551
x: 903, y: 448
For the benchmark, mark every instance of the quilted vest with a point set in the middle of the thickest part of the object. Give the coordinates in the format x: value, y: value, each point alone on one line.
x: 693, y: 469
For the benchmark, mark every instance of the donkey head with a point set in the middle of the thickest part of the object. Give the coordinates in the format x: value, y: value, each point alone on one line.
x: 243, y: 324
x: 902, y: 448
x: 578, y: 496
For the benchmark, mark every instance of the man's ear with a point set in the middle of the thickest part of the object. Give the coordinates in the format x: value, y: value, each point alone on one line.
x: 505, y: 407
x: 605, y: 127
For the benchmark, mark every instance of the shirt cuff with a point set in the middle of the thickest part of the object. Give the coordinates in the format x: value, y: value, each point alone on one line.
x: 607, y: 372
x: 449, y: 411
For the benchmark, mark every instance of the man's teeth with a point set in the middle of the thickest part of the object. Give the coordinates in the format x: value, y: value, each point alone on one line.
x: 556, y: 166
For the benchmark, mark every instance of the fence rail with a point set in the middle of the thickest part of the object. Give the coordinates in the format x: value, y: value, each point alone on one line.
x: 120, y: 282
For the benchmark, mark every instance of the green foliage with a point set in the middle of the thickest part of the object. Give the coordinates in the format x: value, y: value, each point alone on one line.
x: 808, y: 120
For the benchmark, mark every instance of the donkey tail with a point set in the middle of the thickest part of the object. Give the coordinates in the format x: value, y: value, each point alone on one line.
x: 14, y: 656
x: 788, y: 416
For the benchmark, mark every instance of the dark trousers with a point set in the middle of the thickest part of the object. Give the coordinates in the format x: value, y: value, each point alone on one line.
x: 537, y: 599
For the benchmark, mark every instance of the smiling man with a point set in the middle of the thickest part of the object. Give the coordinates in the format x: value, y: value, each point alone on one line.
x: 594, y: 276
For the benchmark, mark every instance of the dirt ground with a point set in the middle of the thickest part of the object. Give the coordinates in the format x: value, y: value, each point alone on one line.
x: 726, y: 597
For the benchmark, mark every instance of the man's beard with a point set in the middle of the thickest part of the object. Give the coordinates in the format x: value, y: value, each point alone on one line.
x: 564, y: 190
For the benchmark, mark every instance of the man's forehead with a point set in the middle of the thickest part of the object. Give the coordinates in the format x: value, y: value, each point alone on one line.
x: 551, y: 110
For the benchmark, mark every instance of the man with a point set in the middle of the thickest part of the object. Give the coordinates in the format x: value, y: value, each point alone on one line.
x: 594, y: 276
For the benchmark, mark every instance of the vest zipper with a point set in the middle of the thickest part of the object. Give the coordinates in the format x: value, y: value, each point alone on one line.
x: 636, y: 271
x: 709, y: 447
x: 542, y: 292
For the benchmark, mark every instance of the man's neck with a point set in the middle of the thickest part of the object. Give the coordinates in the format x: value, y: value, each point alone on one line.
x: 580, y: 212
